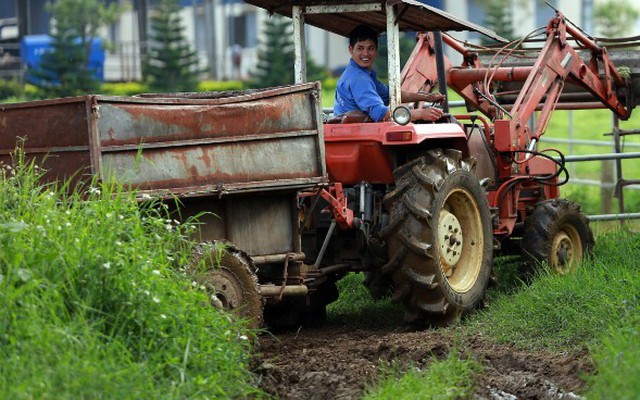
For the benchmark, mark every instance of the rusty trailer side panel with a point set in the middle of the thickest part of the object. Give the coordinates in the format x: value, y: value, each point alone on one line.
x: 248, y: 141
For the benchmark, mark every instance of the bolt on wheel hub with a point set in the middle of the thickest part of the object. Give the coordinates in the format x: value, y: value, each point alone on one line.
x: 450, y: 240
x: 226, y: 289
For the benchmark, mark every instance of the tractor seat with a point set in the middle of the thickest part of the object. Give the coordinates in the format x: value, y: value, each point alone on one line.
x: 350, y: 117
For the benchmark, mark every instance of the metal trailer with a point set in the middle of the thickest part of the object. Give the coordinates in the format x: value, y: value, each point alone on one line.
x: 240, y: 156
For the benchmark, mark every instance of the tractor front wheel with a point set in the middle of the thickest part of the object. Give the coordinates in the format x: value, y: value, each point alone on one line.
x: 557, y: 234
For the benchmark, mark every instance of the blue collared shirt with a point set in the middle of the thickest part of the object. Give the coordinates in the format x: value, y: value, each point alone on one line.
x: 359, y: 89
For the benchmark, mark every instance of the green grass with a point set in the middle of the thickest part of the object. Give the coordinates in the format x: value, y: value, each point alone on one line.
x: 594, y: 309
x: 355, y: 306
x: 450, y: 378
x: 618, y: 359
x: 562, y: 312
x: 93, y: 303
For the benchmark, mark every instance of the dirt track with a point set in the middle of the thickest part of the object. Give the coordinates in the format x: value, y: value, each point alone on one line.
x: 338, y: 363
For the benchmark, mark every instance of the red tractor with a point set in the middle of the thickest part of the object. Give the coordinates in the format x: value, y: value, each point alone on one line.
x: 288, y: 204
x: 422, y: 207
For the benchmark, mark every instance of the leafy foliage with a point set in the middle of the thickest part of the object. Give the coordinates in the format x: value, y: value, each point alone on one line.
x: 65, y: 71
x: 614, y: 18
x: 276, y: 56
x: 499, y: 19
x: 9, y: 88
x: 170, y: 64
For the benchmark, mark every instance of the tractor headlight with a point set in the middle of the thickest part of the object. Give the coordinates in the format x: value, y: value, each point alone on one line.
x: 402, y: 115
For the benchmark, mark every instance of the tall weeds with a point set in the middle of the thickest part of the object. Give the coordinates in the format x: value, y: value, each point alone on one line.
x: 93, y: 303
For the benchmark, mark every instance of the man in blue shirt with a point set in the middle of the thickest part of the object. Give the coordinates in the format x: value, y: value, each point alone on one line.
x: 359, y: 88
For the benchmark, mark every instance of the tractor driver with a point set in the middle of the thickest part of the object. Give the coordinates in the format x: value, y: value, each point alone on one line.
x: 359, y: 88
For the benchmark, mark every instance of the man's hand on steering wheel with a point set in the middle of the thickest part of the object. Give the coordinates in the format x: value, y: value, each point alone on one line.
x: 430, y: 114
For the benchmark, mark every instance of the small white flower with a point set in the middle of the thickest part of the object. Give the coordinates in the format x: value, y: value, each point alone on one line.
x: 146, y: 196
x: 168, y: 227
x: 120, y: 217
x: 147, y: 292
x: 118, y: 243
x: 68, y: 224
x: 106, y: 265
x: 108, y: 215
x: 155, y: 272
x: 243, y: 337
x: 163, y: 316
x: 156, y: 300
x: 194, y: 284
x: 24, y: 274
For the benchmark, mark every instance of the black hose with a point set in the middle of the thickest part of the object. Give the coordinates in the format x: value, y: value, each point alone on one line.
x: 561, y: 164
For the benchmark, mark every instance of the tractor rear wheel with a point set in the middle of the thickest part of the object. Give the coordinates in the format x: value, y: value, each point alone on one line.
x: 558, y: 234
x: 439, y: 238
x: 229, y: 277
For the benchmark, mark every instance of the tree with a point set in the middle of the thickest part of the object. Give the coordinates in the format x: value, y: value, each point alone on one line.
x: 170, y: 64
x: 613, y: 18
x: 65, y: 70
x: 499, y: 19
x: 276, y: 56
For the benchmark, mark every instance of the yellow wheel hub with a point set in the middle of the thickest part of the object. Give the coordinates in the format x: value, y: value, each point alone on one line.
x: 460, y: 240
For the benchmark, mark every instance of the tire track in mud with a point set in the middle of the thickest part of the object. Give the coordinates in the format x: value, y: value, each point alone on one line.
x: 339, y: 363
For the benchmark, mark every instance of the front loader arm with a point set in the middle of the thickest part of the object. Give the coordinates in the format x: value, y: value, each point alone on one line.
x: 420, y: 72
x: 544, y: 83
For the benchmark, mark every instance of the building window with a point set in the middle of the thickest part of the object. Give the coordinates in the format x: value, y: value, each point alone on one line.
x: 242, y: 30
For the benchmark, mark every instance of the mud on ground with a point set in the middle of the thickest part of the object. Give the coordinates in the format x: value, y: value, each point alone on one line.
x: 335, y: 362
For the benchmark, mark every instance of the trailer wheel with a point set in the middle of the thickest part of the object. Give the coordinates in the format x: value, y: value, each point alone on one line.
x: 439, y: 238
x: 228, y: 275
x: 558, y: 234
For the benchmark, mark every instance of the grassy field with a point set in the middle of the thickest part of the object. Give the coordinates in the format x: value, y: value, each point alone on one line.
x: 94, y: 303
x: 596, y: 309
x: 451, y: 378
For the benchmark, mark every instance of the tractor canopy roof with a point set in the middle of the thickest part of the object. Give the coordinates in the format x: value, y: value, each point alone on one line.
x: 341, y: 17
